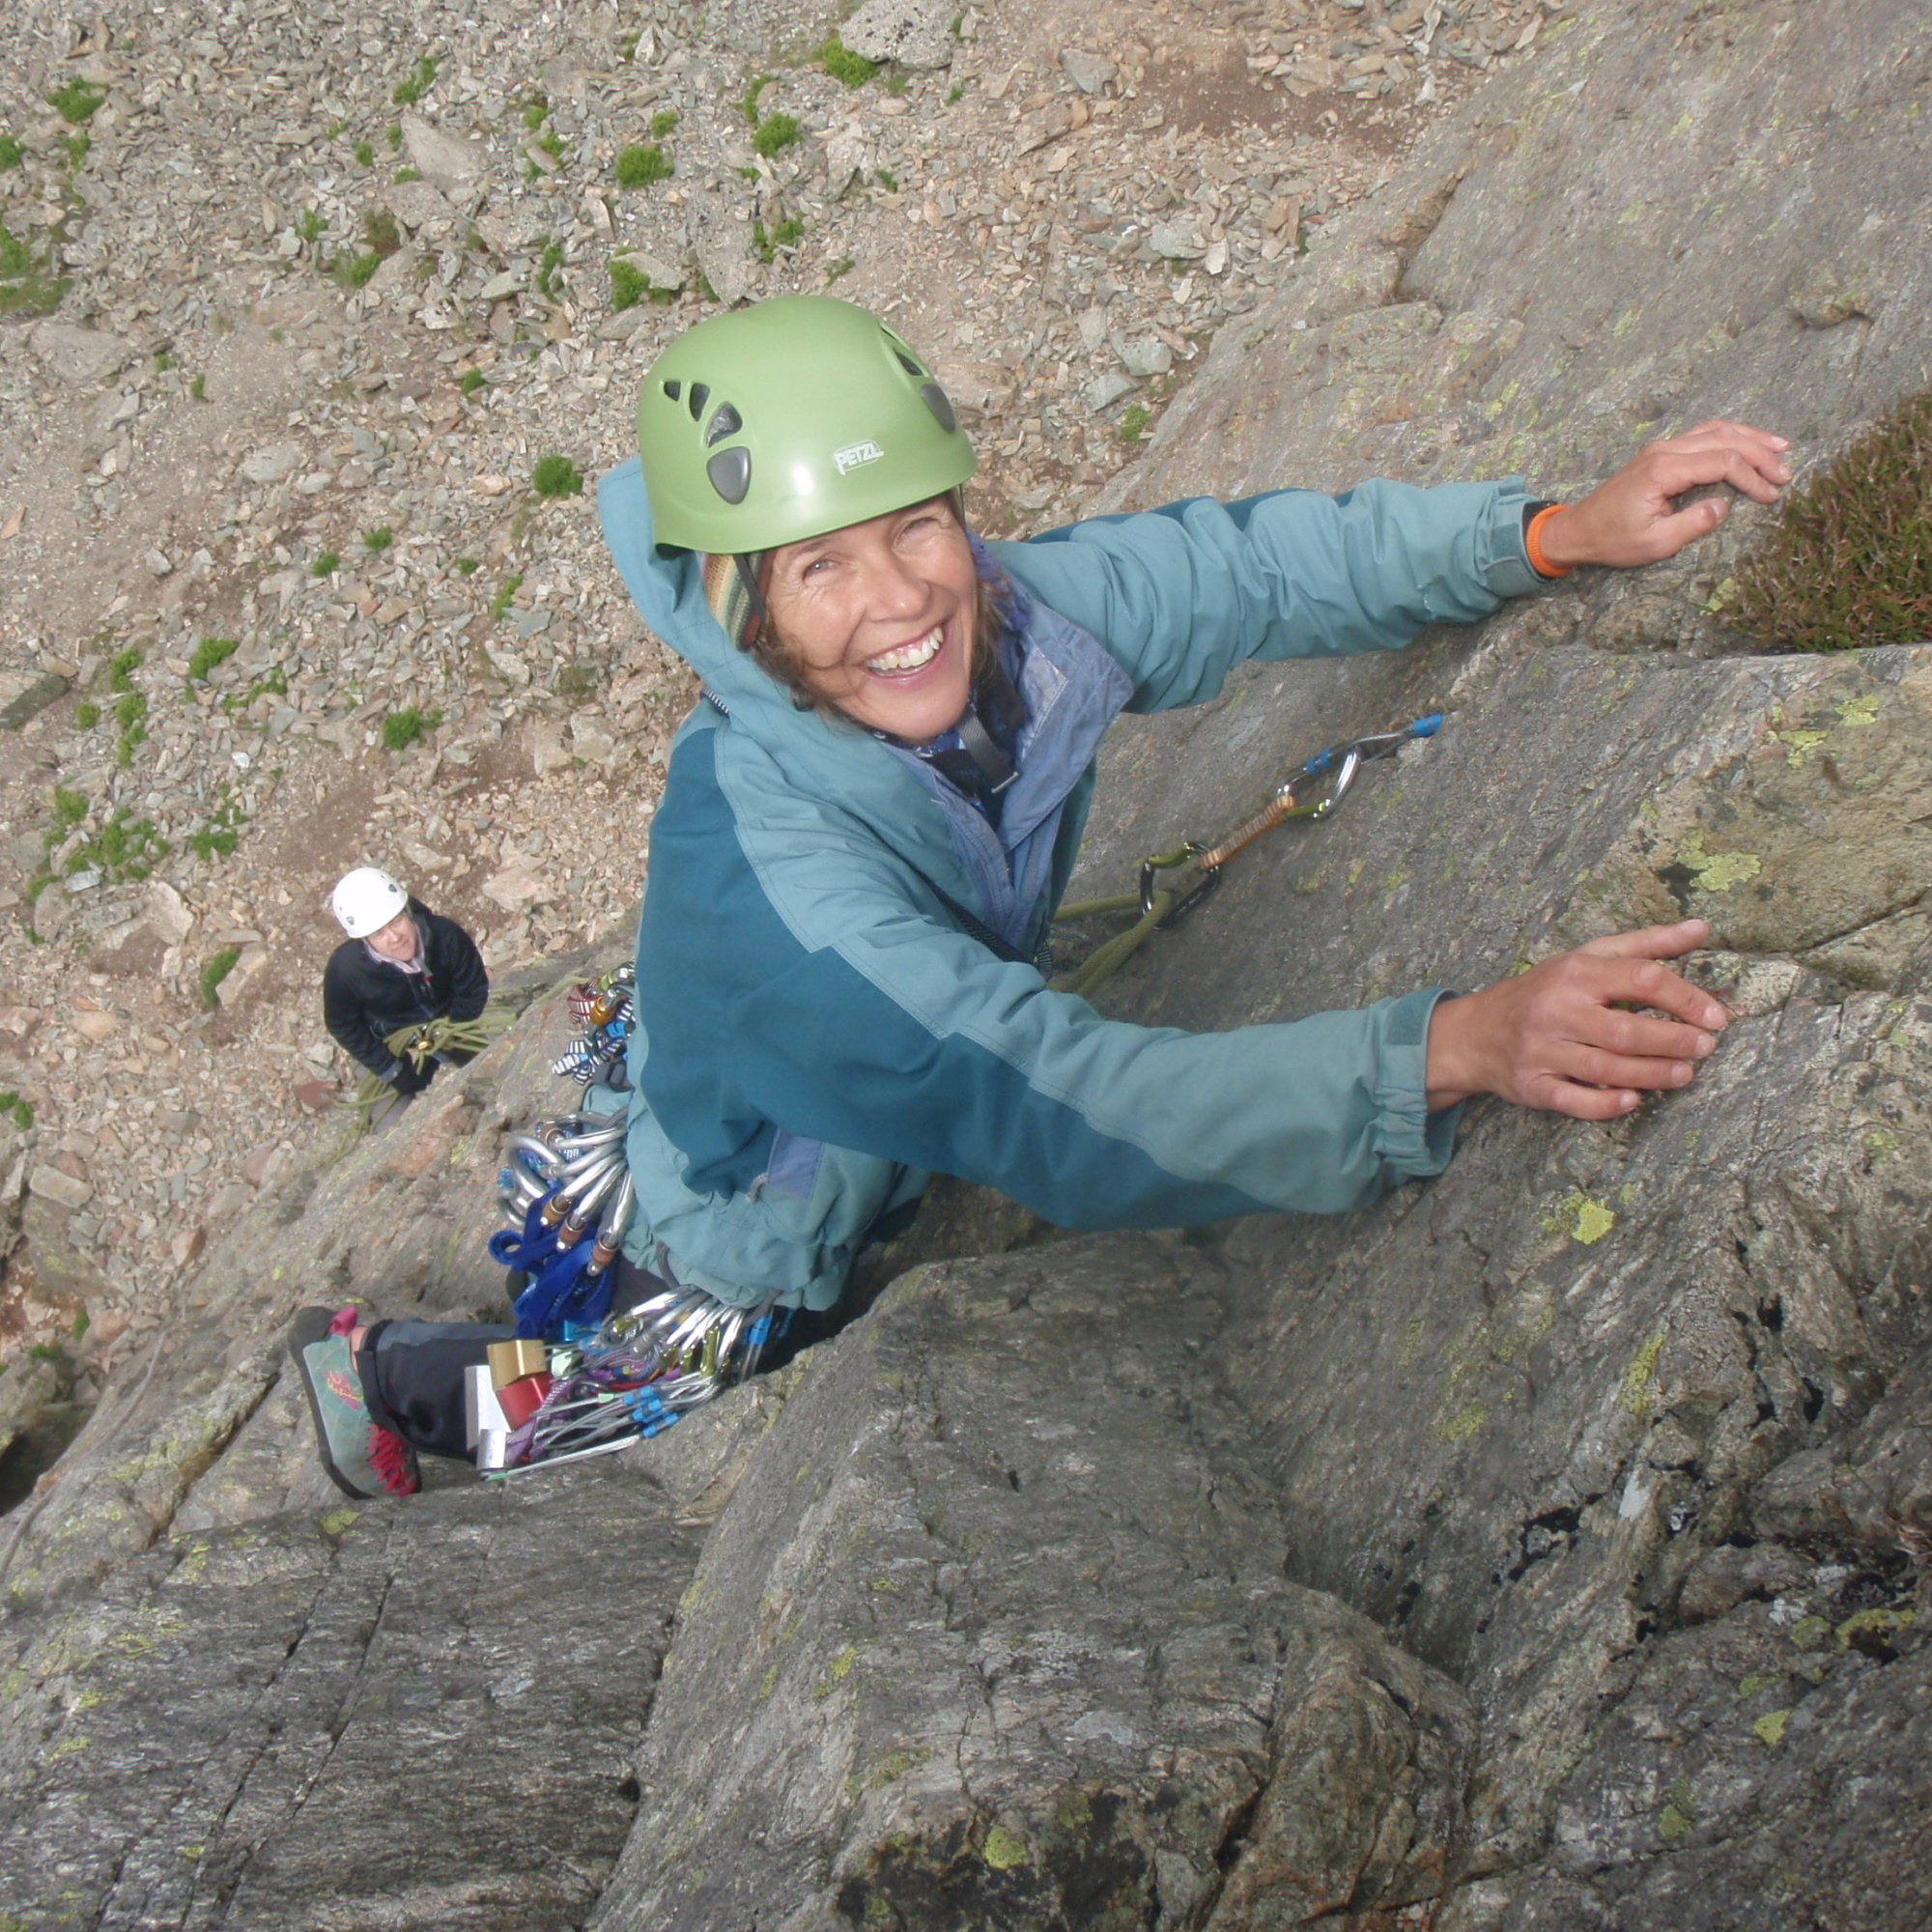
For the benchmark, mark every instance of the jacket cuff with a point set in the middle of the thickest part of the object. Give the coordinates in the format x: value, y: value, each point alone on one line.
x: 1502, y: 559
x: 1408, y: 1136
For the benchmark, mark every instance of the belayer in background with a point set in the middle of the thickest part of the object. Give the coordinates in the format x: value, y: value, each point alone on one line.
x: 871, y: 816
x: 402, y: 965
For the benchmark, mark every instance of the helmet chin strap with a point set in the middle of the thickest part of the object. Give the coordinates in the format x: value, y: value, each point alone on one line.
x: 750, y: 565
x: 994, y: 768
x: 980, y: 767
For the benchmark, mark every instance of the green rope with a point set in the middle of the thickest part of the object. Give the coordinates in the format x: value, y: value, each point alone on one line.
x: 1107, y: 958
x: 372, y: 1098
x: 1087, y: 908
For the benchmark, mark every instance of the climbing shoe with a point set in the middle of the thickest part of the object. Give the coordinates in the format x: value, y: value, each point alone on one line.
x: 363, y: 1459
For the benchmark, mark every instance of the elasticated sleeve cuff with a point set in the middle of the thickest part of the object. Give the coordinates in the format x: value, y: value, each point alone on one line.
x: 1411, y: 1139
x: 1501, y: 556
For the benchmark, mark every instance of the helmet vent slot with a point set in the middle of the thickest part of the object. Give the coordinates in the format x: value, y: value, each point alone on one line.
x: 730, y: 473
x: 673, y: 388
x: 700, y: 394
x: 935, y: 398
x: 726, y: 422
x: 906, y: 363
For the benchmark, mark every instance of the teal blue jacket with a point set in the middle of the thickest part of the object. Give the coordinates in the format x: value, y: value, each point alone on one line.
x: 818, y: 1035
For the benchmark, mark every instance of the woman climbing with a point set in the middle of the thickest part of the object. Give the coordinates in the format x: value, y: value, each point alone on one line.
x: 871, y: 816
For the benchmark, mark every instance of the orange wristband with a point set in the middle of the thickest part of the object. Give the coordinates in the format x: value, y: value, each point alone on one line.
x: 1532, y: 542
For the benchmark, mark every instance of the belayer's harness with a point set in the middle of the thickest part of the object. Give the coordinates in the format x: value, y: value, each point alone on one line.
x: 420, y: 1042
x: 1312, y: 793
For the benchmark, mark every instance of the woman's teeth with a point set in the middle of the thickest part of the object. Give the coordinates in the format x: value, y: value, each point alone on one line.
x: 915, y: 656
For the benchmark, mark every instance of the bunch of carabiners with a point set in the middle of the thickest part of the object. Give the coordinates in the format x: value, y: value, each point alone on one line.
x: 567, y: 1193
x: 635, y: 1376
x: 608, y: 1014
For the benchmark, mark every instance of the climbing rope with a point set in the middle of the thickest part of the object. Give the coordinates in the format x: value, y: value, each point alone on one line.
x: 1312, y: 793
x: 419, y: 1043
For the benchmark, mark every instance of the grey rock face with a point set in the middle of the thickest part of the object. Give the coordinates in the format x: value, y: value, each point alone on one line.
x: 405, y: 1716
x: 994, y: 1631
x: 1512, y: 1416
x: 273, y: 461
x: 1573, y: 265
x: 77, y: 355
x: 1541, y: 1548
x: 721, y: 242
x: 1088, y: 72
x: 203, y: 1431
x: 444, y: 160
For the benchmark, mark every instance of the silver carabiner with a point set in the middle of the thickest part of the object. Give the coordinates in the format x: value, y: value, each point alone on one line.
x: 1345, y: 777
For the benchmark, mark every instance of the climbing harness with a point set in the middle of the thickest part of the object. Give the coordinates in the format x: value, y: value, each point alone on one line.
x: 564, y: 1183
x: 607, y: 1013
x: 1312, y: 793
x: 583, y: 1378
x: 611, y: 1378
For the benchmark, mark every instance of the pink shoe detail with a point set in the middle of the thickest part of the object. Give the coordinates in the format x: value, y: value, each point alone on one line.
x: 344, y: 1387
x: 394, y: 1461
x: 343, y: 1319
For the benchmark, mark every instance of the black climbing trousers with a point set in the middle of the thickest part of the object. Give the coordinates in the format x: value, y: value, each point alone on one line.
x: 412, y: 1378
x: 412, y: 1370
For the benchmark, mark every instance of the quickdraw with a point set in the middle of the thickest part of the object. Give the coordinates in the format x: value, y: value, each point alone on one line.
x: 607, y: 1013
x: 563, y: 1181
x: 1312, y: 793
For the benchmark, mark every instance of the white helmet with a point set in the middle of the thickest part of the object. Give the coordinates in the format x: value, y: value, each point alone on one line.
x: 365, y: 900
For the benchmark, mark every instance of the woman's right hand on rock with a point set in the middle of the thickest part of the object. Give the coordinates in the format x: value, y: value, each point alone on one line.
x: 1633, y: 518
x: 1561, y: 1036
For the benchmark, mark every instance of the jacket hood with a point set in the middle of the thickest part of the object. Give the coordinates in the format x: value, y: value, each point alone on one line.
x: 827, y: 758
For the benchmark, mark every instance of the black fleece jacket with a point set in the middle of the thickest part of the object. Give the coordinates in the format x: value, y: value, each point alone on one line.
x: 365, y: 999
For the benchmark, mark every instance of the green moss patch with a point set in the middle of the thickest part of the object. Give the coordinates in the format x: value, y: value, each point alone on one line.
x: 408, y: 91
x: 1634, y: 1392
x: 28, y: 285
x: 641, y: 166
x: 76, y: 100
x: 210, y: 652
x: 402, y: 728
x: 1850, y: 560
x: 775, y: 134
x: 557, y: 477
x: 843, y: 65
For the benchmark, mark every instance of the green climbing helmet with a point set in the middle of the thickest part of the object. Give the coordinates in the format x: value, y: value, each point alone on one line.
x: 781, y: 421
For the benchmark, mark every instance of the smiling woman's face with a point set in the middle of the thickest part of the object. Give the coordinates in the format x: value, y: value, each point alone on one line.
x: 879, y: 617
